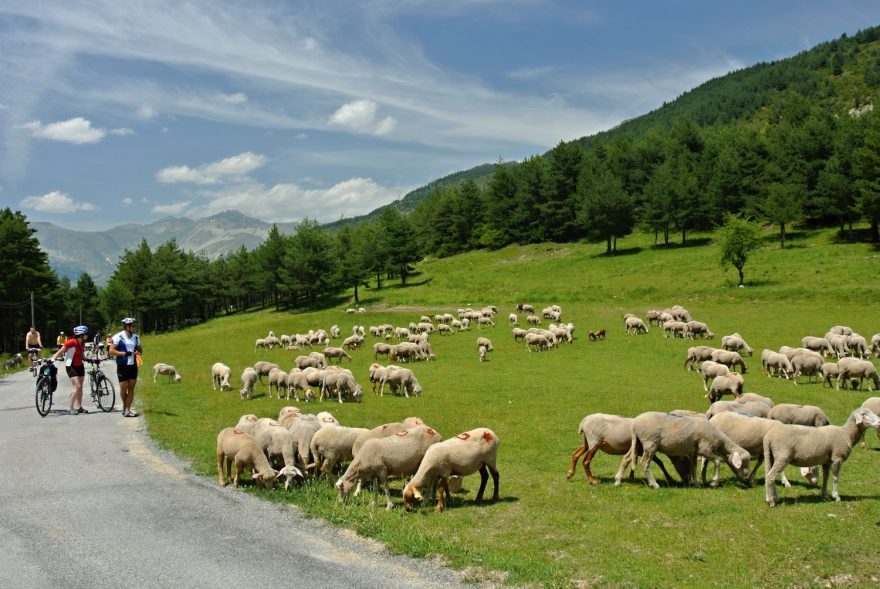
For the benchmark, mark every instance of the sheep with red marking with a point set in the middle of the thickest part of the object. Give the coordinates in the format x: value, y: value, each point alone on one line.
x: 467, y: 453
x: 236, y: 447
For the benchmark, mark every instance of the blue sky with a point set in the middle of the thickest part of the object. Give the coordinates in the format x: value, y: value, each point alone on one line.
x: 114, y: 111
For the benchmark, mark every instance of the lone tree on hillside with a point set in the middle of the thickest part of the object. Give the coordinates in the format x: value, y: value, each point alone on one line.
x: 738, y: 238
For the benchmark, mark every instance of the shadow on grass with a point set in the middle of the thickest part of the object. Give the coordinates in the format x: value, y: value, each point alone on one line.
x: 817, y: 498
x: 695, y: 242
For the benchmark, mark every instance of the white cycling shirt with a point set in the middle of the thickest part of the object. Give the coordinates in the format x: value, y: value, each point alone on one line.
x: 124, y: 343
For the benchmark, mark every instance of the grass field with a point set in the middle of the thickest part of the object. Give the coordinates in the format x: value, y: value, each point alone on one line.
x: 547, y: 531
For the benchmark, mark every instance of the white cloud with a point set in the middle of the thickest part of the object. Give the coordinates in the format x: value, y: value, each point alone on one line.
x: 231, y: 168
x: 55, y: 202
x: 357, y: 115
x: 171, y: 209
x: 128, y: 201
x: 292, y: 202
x: 237, y: 98
x: 76, y: 130
x: 121, y: 132
x: 386, y: 126
x: 145, y: 111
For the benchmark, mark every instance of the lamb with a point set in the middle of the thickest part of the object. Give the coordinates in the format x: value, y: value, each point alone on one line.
x: 352, y: 342
x: 828, y: 446
x: 726, y: 384
x: 467, y: 453
x: 748, y: 431
x: 236, y: 447
x: 400, y: 378
x: 167, y: 369
x: 484, y: 341
x: 593, y: 336
x: 790, y: 413
x: 776, y: 363
x: 682, y: 436
x: 248, y: 380
x: 729, y: 359
x: 810, y: 366
x: 481, y: 351
x: 611, y: 434
x: 818, y: 344
x: 377, y: 459
x: 757, y: 408
x: 333, y: 445
x: 513, y: 319
x: 710, y: 370
x: 635, y: 326
x: 220, y: 375
x: 859, y: 369
x: 697, y: 354
x: 828, y: 371
x: 735, y: 343
x: 337, y: 353
x: 872, y: 403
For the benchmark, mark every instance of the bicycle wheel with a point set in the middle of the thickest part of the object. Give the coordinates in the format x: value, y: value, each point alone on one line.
x: 106, y: 395
x: 43, y: 397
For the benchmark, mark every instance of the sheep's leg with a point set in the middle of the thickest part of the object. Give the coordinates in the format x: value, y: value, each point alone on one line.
x: 581, y: 450
x: 484, y: 478
x: 624, y: 465
x: 716, y: 479
x: 237, y: 475
x: 389, y: 505
x: 826, y: 468
x: 647, y: 458
x: 442, y: 494
x: 496, y: 478
x: 220, y: 460
x: 758, y: 463
x: 773, y: 465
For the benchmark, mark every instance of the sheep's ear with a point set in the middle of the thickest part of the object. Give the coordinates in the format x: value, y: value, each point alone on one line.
x: 859, y: 418
x: 416, y: 494
x: 258, y: 476
x: 736, y: 460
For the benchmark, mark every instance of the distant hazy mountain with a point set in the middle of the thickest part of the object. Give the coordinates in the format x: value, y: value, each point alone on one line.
x: 74, y: 252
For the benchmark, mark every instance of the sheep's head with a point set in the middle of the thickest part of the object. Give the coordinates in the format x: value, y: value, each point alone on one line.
x: 266, y: 479
x: 177, y: 378
x: 739, y: 462
x: 343, y: 486
x: 244, y: 394
x: 412, y: 497
x: 289, y: 473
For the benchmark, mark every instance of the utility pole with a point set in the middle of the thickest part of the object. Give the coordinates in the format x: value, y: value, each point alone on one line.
x: 80, y: 314
x: 33, y: 323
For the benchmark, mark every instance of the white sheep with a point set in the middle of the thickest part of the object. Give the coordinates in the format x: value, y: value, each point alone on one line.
x: 817, y: 344
x: 278, y: 379
x: 697, y: 354
x: 263, y: 368
x: 809, y: 366
x: 513, y: 319
x: 710, y: 370
x: 236, y: 447
x: 635, y: 326
x: 331, y: 446
x: 220, y: 375
x: 730, y: 359
x: 466, y: 453
x: 827, y: 446
x: 872, y: 403
x: 749, y: 397
x: 698, y: 328
x: 675, y: 329
x: 748, y: 431
x: 486, y: 342
x: 860, y: 369
x: 342, y: 384
x: 248, y: 380
x: 790, y: 413
x: 385, y: 430
x: 612, y: 435
x: 775, y: 363
x: 858, y: 345
x: 379, y: 458
x: 539, y: 341
x: 735, y: 343
x: 481, y: 351
x: 166, y: 369
x: 875, y: 344
x: 757, y: 408
x: 276, y: 443
x: 337, y: 353
x: 302, y: 427
x: 400, y: 378
x: 682, y: 436
x: 725, y: 384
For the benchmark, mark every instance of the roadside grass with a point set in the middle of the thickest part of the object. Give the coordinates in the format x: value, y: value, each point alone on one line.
x: 545, y: 530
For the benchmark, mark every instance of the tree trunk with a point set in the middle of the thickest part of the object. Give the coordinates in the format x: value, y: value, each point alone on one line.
x: 614, y: 247
x: 782, y: 235
x: 608, y: 246
x: 875, y: 231
x: 666, y: 237
x: 683, y: 235
x: 356, y: 300
x: 656, y: 237
x: 742, y: 279
x: 378, y: 281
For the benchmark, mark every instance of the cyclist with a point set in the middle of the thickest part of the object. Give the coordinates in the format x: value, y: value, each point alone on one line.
x: 59, y: 341
x: 73, y: 360
x: 125, y: 345
x: 32, y: 341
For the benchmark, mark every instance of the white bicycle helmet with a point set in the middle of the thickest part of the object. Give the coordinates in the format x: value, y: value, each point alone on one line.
x: 129, y: 321
x: 80, y: 330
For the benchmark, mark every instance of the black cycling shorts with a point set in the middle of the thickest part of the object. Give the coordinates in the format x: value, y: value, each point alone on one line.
x: 126, y: 372
x: 75, y: 371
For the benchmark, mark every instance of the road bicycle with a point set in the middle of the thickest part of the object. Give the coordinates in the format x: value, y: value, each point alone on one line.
x: 34, y: 358
x: 46, y: 383
x: 103, y: 392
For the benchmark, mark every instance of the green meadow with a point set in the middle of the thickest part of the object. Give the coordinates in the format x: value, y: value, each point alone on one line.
x: 545, y: 530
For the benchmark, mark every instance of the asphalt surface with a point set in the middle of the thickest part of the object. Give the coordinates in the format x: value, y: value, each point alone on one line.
x: 88, y: 501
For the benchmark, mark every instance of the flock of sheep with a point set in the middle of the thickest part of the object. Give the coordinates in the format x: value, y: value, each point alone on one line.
x: 750, y: 426
x: 297, y: 445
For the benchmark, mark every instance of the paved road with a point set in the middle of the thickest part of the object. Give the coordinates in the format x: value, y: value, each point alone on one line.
x: 88, y: 501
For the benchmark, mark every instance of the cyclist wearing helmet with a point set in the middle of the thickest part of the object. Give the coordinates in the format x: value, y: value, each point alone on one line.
x: 125, y: 345
x: 72, y: 350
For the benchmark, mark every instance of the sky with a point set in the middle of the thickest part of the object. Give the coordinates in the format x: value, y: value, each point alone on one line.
x: 116, y: 111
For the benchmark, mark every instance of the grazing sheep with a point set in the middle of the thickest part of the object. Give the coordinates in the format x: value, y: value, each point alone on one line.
x: 466, y: 453
x: 775, y: 363
x: 538, y: 340
x: 525, y: 308
x: 730, y: 359
x: 790, y: 353
x: 710, y: 370
x: 518, y: 334
x: 288, y: 414
x: 263, y: 368
x: 236, y: 447
x: 675, y: 329
x: 342, y: 383
x: 220, y: 375
x: 533, y: 320
x: 331, y: 446
x: 799, y: 414
x: 735, y: 343
x: 698, y: 328
x: 828, y: 371
x: 860, y: 369
x: 481, y: 351
x: 818, y: 344
x: 756, y: 408
x: 858, y: 345
x: 841, y: 330
x: 809, y: 366
x: 828, y: 446
x: 872, y: 403
x: 166, y: 369
x: 302, y: 428
x: 276, y: 443
x: 682, y: 436
x: 875, y: 344
x: 635, y: 326
x: 381, y: 349
x: 725, y: 384
x: 248, y: 380
x: 247, y: 422
x: 750, y: 397
x: 278, y: 379
x: 337, y: 353
x: 697, y: 354
x: 484, y: 341
x: 748, y: 431
x: 838, y: 343
x: 513, y: 319
x: 379, y: 458
x: 314, y: 360
x: 400, y: 378
x: 385, y: 430
x: 653, y: 317
x: 597, y: 335
x: 261, y: 343
x: 612, y: 435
